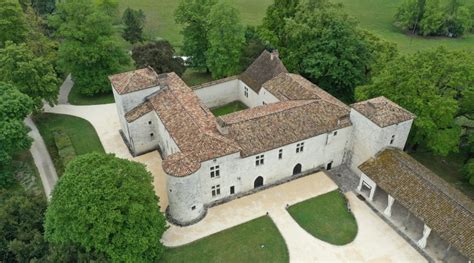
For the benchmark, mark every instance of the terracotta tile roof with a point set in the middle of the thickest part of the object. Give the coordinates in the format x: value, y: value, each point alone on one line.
x: 191, y: 125
x: 382, y: 111
x: 215, y: 82
x: 135, y: 80
x: 264, y: 68
x: 138, y: 111
x: 443, y: 208
x: 271, y: 126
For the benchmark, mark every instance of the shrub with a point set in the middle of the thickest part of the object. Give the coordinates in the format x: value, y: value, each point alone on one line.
x: 64, y: 145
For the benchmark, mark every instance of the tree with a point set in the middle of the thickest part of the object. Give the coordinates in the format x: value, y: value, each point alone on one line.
x: 324, y: 45
x: 226, y: 39
x: 43, y: 7
x: 21, y: 225
x: 193, y: 15
x: 160, y: 56
x: 112, y: 206
x: 468, y: 171
x: 429, y: 84
x: 253, y: 47
x: 273, y: 26
x: 88, y: 50
x: 14, y: 108
x: 33, y: 76
x: 134, y: 21
x: 13, y: 25
x: 109, y: 7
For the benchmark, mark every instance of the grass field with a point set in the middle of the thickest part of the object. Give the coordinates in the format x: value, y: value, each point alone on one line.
x: 83, y: 136
x: 374, y: 15
x: 326, y: 217
x: 255, y: 241
x: 76, y: 98
x: 228, y: 108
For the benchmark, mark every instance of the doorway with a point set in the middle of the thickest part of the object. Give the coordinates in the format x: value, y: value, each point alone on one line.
x: 297, y: 169
x: 329, y: 166
x: 258, y: 182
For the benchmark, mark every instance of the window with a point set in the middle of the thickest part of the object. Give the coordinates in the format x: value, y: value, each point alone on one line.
x: 151, y: 134
x: 215, y: 171
x: 216, y: 190
x: 335, y: 133
x: 280, y: 154
x: 299, y: 147
x: 149, y: 122
x: 263, y: 103
x: 393, y: 139
x: 193, y: 207
x: 246, y: 92
x: 232, y: 190
x: 259, y: 160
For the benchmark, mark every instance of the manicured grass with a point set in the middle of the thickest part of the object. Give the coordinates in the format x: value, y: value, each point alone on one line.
x: 229, y: 108
x: 255, y: 241
x: 83, y: 136
x: 326, y: 217
x: 449, y: 168
x: 76, y: 98
x: 374, y: 15
x: 194, y: 77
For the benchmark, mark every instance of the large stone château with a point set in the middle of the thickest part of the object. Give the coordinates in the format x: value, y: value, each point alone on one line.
x: 291, y: 127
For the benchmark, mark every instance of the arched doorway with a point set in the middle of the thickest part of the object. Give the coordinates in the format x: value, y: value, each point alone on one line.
x: 297, y: 169
x: 258, y: 182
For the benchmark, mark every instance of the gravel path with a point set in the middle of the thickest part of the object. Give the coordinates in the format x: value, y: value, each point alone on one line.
x: 64, y: 90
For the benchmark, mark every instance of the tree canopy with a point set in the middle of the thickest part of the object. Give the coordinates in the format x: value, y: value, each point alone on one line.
x: 324, y: 44
x: 226, y: 39
x: 159, y: 55
x: 88, y: 50
x: 112, y: 206
x: 134, y: 21
x: 430, y: 84
x: 273, y: 26
x: 193, y: 15
x: 13, y: 25
x: 32, y: 75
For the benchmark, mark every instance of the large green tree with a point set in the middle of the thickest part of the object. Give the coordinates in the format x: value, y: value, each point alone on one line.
x: 430, y: 84
x: 273, y: 26
x: 226, y: 39
x: 89, y: 49
x: 14, y: 107
x: 134, y: 21
x: 33, y: 76
x: 13, y: 25
x: 325, y: 45
x: 193, y: 15
x: 159, y: 55
x: 107, y: 205
x: 253, y: 47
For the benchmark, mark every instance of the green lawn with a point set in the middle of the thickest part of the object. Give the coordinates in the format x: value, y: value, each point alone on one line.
x: 255, y: 241
x: 76, y: 98
x: 374, y: 15
x: 83, y: 136
x: 229, y: 108
x: 449, y: 168
x: 194, y: 77
x: 326, y: 217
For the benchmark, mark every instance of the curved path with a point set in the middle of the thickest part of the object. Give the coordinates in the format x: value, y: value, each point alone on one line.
x: 42, y: 159
x: 375, y: 242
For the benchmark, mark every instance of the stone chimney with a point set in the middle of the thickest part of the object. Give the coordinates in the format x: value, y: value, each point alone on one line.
x: 371, y: 108
x: 222, y: 126
x: 274, y: 54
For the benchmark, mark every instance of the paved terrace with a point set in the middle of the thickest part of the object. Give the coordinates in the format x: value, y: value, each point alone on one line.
x: 375, y: 241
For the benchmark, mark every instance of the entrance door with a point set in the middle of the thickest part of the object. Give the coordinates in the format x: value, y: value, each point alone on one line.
x: 258, y: 182
x: 329, y: 166
x: 297, y: 169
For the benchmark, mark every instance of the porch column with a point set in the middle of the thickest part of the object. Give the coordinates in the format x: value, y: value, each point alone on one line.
x: 388, y: 210
x: 372, y: 193
x: 426, y: 232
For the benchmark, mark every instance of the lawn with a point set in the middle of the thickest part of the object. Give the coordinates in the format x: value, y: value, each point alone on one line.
x: 374, y: 15
x: 76, y: 98
x: 449, y: 168
x: 255, y: 241
x: 229, y: 108
x: 83, y: 136
x: 194, y: 77
x: 326, y: 217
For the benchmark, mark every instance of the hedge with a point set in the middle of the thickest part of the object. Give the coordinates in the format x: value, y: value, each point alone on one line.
x: 64, y: 145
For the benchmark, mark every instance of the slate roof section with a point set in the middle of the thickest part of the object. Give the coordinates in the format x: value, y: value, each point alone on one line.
x: 135, y: 80
x: 443, y: 208
x: 265, y: 67
x: 271, y: 126
x: 382, y: 111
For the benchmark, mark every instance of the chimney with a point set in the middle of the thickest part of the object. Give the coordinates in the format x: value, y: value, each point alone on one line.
x: 222, y: 126
x: 370, y: 108
x: 274, y: 54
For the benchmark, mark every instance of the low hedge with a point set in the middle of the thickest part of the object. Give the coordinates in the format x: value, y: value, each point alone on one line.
x: 64, y: 145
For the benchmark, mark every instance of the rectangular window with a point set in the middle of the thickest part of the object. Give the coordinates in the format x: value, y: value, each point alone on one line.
x: 335, y: 133
x: 299, y: 147
x: 246, y: 92
x: 215, y: 172
x: 280, y: 154
x: 232, y: 190
x: 216, y: 190
x: 259, y: 160
x: 393, y: 139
